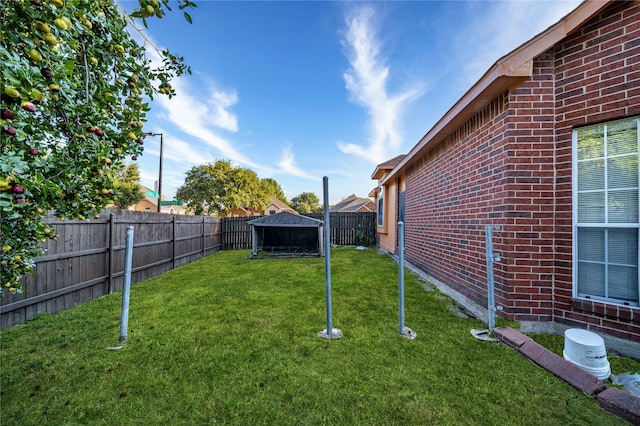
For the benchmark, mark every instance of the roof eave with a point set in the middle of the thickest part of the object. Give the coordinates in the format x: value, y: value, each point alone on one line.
x: 378, y: 173
x: 506, y: 74
x: 487, y: 89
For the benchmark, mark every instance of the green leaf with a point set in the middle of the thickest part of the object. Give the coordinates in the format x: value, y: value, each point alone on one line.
x: 188, y: 18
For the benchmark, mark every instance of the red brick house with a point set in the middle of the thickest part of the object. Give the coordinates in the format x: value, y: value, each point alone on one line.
x: 545, y: 145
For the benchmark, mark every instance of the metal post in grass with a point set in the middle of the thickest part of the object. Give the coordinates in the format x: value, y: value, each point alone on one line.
x: 491, y: 258
x: 491, y: 302
x: 405, y: 332
x: 126, y: 288
x: 329, y: 332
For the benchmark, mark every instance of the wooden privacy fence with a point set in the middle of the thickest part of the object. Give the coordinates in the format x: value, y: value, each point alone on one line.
x: 347, y: 229
x: 86, y: 261
x: 236, y: 234
x: 351, y: 229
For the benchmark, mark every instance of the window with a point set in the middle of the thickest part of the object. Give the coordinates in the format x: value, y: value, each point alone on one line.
x: 605, y: 212
x: 380, y: 206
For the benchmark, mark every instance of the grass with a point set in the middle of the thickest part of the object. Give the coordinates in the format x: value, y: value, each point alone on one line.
x: 226, y: 340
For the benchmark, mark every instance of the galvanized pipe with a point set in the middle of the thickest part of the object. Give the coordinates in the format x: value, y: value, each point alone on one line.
x: 401, y: 276
x: 491, y: 257
x: 327, y: 253
x: 126, y: 288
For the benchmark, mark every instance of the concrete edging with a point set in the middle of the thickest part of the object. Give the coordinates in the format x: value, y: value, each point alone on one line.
x: 616, y: 401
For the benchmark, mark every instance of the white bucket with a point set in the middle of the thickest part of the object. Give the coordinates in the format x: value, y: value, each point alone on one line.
x: 586, y: 349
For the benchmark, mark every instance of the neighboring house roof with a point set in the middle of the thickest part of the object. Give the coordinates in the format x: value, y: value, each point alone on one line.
x: 152, y: 203
x: 507, y: 73
x: 352, y: 204
x: 152, y: 200
x: 235, y: 210
x: 280, y: 205
x: 286, y: 219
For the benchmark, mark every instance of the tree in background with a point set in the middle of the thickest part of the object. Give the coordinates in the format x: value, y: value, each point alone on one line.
x: 126, y: 186
x: 273, y: 188
x: 216, y: 189
x: 74, y: 88
x: 306, y: 203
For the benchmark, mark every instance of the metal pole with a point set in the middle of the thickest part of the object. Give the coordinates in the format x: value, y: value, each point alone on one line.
x: 126, y: 288
x: 405, y: 332
x: 401, y: 275
x: 330, y: 332
x: 327, y: 252
x: 160, y: 173
x: 491, y: 257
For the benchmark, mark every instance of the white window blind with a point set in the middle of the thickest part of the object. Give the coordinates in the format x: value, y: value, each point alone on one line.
x: 606, y: 211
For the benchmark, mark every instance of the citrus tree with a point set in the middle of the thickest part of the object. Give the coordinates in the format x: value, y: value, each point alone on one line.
x: 75, y: 89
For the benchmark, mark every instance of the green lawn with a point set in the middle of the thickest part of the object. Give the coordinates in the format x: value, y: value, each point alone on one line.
x: 226, y: 340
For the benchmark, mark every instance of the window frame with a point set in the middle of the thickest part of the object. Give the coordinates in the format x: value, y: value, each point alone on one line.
x: 380, y: 207
x: 606, y: 225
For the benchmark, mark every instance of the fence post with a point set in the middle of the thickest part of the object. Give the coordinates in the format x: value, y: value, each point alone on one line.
x: 224, y: 226
x: 111, y: 232
x: 173, y: 245
x: 202, y: 238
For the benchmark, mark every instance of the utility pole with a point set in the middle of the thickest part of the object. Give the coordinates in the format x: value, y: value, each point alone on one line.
x: 160, y: 168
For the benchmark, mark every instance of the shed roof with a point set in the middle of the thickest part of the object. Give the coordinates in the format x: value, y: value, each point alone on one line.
x: 507, y: 73
x: 286, y: 219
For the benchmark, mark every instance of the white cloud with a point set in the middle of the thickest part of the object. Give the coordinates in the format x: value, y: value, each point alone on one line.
x: 199, y: 118
x: 219, y: 102
x: 199, y: 114
x: 288, y: 166
x: 367, y: 83
x: 185, y: 153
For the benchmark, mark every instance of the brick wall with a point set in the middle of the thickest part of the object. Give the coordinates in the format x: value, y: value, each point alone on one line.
x: 510, y: 165
x: 451, y: 194
x: 597, y: 74
x: 529, y: 215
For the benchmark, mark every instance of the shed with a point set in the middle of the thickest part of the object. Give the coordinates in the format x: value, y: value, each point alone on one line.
x: 286, y: 234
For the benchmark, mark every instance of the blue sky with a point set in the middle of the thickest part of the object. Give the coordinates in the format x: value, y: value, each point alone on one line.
x: 298, y: 90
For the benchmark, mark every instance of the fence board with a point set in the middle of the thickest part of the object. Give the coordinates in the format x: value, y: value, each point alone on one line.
x: 236, y: 234
x: 351, y: 229
x: 346, y: 229
x: 86, y: 261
